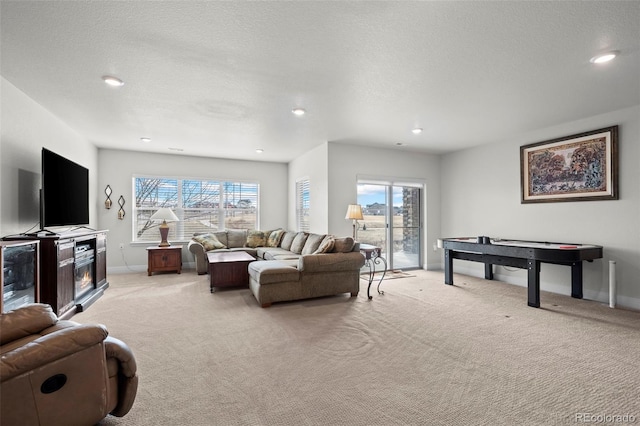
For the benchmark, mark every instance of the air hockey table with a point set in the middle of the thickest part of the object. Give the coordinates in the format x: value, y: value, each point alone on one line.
x: 520, y: 254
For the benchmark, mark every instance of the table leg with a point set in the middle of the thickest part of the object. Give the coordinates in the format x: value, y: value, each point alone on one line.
x: 488, y: 271
x: 448, y: 267
x: 576, y: 280
x: 372, y: 270
x: 533, y: 283
x: 384, y: 271
x: 371, y: 264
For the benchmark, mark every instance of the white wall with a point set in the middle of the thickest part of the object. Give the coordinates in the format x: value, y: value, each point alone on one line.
x: 26, y: 128
x: 312, y: 165
x: 117, y: 168
x: 481, y: 196
x: 347, y: 162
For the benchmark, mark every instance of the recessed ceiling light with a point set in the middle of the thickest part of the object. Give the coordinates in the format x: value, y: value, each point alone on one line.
x: 605, y: 57
x: 259, y: 151
x: 417, y: 131
x: 112, y: 81
x: 399, y: 144
x: 298, y: 111
x: 147, y: 140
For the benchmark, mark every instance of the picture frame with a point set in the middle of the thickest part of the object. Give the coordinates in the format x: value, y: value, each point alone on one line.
x: 581, y: 167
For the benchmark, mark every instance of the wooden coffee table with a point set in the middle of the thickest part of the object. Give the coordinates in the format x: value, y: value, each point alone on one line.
x: 229, y: 269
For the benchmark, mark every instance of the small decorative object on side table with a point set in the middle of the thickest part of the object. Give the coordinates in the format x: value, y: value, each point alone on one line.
x: 373, y: 257
x: 164, y: 259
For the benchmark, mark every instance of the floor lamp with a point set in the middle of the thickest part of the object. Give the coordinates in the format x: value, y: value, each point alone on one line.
x: 354, y: 212
x: 164, y: 214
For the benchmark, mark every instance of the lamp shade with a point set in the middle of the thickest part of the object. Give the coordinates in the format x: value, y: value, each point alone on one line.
x: 354, y: 211
x: 165, y: 214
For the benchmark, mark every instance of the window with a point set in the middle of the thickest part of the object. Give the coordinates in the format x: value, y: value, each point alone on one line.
x: 302, y: 205
x: 201, y: 206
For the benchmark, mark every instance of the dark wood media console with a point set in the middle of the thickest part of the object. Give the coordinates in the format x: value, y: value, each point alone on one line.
x: 73, y: 269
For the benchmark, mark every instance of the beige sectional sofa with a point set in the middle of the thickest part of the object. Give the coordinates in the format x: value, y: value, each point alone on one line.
x: 289, y: 265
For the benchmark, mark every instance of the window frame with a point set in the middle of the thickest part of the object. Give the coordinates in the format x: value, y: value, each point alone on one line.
x: 223, y: 207
x: 303, y: 204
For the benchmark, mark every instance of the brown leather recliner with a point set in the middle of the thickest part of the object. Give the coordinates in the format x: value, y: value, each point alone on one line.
x: 57, y: 372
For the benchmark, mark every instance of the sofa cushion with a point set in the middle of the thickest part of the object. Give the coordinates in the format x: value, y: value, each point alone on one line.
x: 333, y: 262
x: 326, y: 246
x: 272, y: 271
x: 275, y: 237
x: 267, y: 253
x: 289, y: 256
x: 209, y: 242
x: 236, y: 237
x: 343, y: 245
x: 255, y: 239
x: 287, y: 240
x: 298, y: 242
x: 312, y: 243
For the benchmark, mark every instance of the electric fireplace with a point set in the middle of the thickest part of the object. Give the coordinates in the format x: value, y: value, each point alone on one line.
x: 84, y: 273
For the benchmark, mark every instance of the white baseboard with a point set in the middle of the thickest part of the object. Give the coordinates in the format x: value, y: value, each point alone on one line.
x: 141, y: 268
x: 521, y: 281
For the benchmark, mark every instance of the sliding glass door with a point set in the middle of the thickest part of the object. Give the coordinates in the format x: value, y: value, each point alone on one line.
x: 392, y: 222
x: 406, y: 227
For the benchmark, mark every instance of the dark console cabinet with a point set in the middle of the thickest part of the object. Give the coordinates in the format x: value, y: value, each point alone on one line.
x: 73, y: 269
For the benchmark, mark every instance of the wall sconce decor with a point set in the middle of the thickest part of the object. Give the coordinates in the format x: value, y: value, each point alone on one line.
x: 107, y: 202
x: 121, y: 204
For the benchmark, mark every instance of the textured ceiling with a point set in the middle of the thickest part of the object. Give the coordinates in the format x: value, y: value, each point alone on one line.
x: 220, y: 79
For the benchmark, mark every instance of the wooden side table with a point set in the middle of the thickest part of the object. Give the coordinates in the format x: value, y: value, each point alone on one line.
x: 164, y: 259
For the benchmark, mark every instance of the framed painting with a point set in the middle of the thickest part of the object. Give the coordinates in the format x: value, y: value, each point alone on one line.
x: 582, y: 167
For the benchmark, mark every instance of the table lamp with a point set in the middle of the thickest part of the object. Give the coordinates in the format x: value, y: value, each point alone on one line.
x: 164, y: 214
x: 354, y: 212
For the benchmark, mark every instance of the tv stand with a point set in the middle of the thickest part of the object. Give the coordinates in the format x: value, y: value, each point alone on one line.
x: 73, y: 268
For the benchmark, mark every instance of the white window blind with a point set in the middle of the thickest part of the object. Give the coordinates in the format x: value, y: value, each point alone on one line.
x: 201, y: 206
x: 302, y: 205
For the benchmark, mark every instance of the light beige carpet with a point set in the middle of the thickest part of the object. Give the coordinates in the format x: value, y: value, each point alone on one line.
x: 424, y: 353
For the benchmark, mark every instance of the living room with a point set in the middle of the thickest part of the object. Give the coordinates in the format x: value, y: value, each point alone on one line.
x: 469, y: 191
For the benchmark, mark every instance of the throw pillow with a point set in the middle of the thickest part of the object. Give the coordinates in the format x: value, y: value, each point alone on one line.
x: 312, y: 243
x: 343, y: 245
x: 275, y: 237
x: 326, y: 245
x: 209, y: 242
x: 298, y: 242
x: 287, y: 240
x: 255, y: 239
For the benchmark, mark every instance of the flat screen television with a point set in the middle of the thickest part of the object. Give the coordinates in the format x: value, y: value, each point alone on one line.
x: 65, y: 191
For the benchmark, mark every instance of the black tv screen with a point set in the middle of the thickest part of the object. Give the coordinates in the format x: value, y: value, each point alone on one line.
x: 65, y: 191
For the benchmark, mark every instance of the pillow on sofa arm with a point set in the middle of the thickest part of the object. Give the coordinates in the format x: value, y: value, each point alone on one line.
x: 209, y: 242
x: 343, y: 245
x: 326, y: 246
